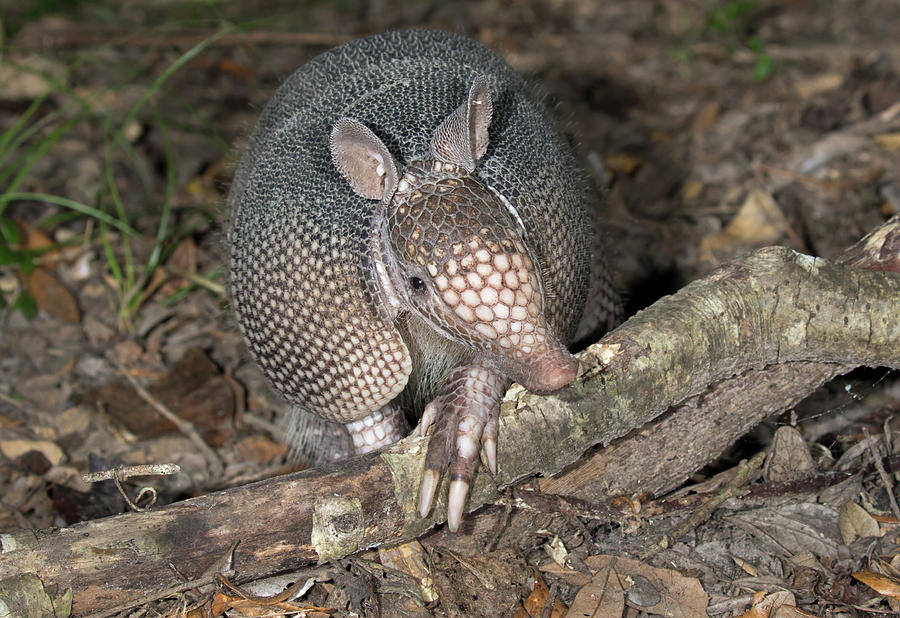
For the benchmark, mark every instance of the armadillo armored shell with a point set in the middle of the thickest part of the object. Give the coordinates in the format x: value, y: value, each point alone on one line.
x: 300, y: 261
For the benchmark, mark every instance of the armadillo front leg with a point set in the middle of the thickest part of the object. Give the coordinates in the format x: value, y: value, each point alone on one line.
x: 384, y: 426
x: 464, y: 417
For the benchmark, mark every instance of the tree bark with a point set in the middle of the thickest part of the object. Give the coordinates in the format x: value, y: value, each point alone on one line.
x: 726, y: 410
x: 774, y: 308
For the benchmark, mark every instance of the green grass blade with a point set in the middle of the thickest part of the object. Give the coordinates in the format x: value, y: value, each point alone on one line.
x: 120, y: 213
x: 164, y: 216
x: 111, y: 258
x: 14, y: 141
x: 10, y: 133
x: 65, y: 202
x: 38, y: 151
x: 170, y: 70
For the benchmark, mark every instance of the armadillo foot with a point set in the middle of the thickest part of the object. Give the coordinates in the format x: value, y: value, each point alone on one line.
x: 384, y: 426
x: 464, y: 417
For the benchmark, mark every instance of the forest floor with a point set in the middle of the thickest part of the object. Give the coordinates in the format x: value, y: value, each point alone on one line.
x: 710, y: 129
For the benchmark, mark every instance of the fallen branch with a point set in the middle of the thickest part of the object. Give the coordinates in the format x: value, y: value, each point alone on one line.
x: 775, y: 307
x: 726, y: 411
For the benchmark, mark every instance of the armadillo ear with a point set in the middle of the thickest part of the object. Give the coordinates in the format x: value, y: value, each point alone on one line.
x: 462, y: 138
x: 363, y: 159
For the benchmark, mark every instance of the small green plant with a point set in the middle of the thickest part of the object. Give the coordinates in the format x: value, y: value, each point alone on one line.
x: 732, y: 16
x: 733, y: 23
x: 31, y: 137
x: 734, y: 20
x: 12, y: 256
x: 764, y: 65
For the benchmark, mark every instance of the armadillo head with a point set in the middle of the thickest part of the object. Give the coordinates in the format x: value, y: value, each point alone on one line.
x: 454, y: 252
x: 468, y: 271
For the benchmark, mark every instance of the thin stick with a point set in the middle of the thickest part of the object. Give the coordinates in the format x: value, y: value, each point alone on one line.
x: 216, y: 467
x: 745, y: 470
x: 882, y: 473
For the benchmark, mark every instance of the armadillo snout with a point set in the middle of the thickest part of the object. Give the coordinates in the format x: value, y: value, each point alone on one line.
x: 550, y: 372
x: 493, y: 299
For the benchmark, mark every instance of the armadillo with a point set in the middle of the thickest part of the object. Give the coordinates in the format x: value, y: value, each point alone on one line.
x: 408, y: 230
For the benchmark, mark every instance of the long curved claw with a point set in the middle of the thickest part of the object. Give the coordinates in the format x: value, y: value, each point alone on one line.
x: 464, y: 415
x: 489, y: 443
x: 429, y: 415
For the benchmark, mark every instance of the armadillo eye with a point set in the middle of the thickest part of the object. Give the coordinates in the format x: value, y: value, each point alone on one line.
x: 417, y: 284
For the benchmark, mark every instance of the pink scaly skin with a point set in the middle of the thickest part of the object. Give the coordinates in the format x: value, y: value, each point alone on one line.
x: 468, y: 403
x: 464, y: 417
x: 383, y: 427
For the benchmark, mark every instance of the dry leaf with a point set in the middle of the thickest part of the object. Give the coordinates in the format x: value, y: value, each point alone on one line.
x: 35, y: 239
x: 232, y: 67
x: 74, y: 420
x: 17, y: 448
x: 26, y: 83
x: 881, y: 584
x: 195, y: 390
x: 52, y: 296
x: 756, y: 610
x: 603, y: 596
x: 679, y: 595
x: 575, y: 578
x: 228, y: 596
x: 621, y: 163
x: 888, y: 141
x: 535, y: 601
x: 67, y: 476
x: 559, y: 609
x: 807, y: 559
x: 81, y: 269
x: 706, y: 118
x: 779, y: 604
x: 690, y: 190
x: 771, y: 603
x: 818, y: 84
x: 6, y: 421
x: 793, y: 527
x: 556, y: 550
x: 409, y: 558
x: 748, y: 568
x: 790, y: 457
x: 855, y: 522
x: 259, y: 449
x: 184, y: 257
x: 759, y: 222
x: 790, y: 611
x: 885, y: 519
